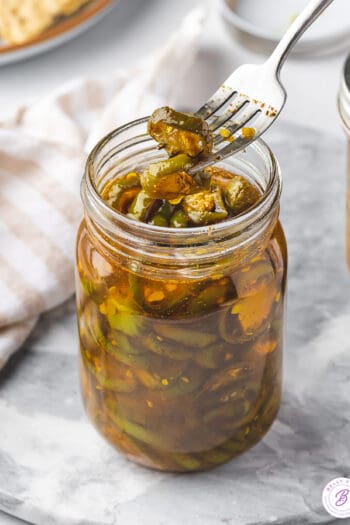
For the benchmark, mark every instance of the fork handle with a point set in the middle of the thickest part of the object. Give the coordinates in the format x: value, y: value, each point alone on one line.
x: 306, y: 18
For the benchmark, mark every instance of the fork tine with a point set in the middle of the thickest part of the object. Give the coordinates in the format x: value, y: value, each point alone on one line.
x: 239, y: 143
x: 217, y: 120
x: 236, y: 108
x: 261, y: 124
x: 219, y: 99
x: 232, y: 126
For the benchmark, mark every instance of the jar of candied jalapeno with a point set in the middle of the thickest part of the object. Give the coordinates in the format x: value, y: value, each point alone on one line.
x: 181, y: 330
x: 344, y: 109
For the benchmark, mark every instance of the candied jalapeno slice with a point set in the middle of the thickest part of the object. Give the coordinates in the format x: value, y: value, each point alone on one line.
x: 159, y: 346
x: 133, y: 360
x: 217, y: 456
x: 181, y: 388
x: 218, y: 176
x: 126, y: 322
x: 186, y: 336
x: 205, y: 207
x: 138, y: 409
x: 209, y: 357
x: 202, y: 201
x: 265, y: 345
x: 232, y: 410
x: 240, y: 195
x: 134, y: 430
x: 126, y: 199
x: 126, y: 444
x: 180, y: 132
x: 190, y: 381
x: 253, y: 277
x: 167, y: 209
x: 143, y: 207
x: 232, y: 375
x: 214, y: 293
x: 92, y: 326
x: 120, y: 193
x: 159, y: 296
x: 248, y: 316
x: 124, y: 343
x: 91, y: 286
x: 168, y: 179
x: 109, y: 375
x: 162, y: 374
x: 121, y: 311
x: 206, y: 218
x: 235, y: 447
x: 159, y: 220
x: 179, y: 219
x: 118, y: 299
x: 187, y: 461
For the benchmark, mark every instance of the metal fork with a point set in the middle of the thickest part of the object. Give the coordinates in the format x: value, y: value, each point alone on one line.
x: 251, y: 99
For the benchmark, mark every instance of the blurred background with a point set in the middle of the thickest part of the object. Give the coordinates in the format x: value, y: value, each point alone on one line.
x: 133, y: 28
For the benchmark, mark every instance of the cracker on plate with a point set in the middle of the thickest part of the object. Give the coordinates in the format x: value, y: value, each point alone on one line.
x: 23, y: 20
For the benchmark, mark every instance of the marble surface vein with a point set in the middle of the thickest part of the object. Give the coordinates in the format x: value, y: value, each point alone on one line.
x: 54, y: 467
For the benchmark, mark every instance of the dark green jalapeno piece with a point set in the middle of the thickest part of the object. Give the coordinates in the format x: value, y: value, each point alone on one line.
x: 135, y: 430
x: 143, y: 206
x: 179, y: 389
x: 131, y: 360
x: 252, y: 278
x: 248, y: 316
x: 93, y: 288
x: 90, y: 326
x: 123, y: 342
x: 179, y: 219
x: 235, y: 447
x: 230, y: 375
x: 107, y: 379
x: 207, y: 217
x: 161, y: 347
x: 240, y: 195
x: 180, y: 132
x: 167, y: 209
x: 187, y: 461
x: 159, y: 220
x: 161, y: 297
x: 214, y: 293
x: 208, y: 357
x: 185, y: 336
x: 232, y: 411
x: 217, y: 456
x: 126, y: 322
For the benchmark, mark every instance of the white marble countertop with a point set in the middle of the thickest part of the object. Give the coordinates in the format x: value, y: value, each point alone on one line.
x: 130, y: 31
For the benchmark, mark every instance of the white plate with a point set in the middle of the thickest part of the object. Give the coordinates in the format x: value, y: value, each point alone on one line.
x: 61, y: 32
x: 261, y: 23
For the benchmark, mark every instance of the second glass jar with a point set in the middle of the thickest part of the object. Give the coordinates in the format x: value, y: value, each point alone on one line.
x: 344, y: 110
x: 181, y: 331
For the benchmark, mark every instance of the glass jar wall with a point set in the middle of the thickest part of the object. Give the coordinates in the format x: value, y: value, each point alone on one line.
x: 344, y: 109
x: 181, y: 331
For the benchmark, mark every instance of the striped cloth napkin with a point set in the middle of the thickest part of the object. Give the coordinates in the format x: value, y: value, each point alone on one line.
x: 42, y: 154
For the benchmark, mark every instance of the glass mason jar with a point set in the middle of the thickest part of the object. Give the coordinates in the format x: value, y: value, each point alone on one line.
x: 344, y: 110
x: 181, y: 330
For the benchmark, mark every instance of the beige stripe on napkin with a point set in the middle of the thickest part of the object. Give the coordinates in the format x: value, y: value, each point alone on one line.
x: 42, y: 155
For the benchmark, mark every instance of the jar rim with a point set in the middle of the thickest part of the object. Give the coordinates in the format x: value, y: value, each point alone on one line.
x: 273, y: 190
